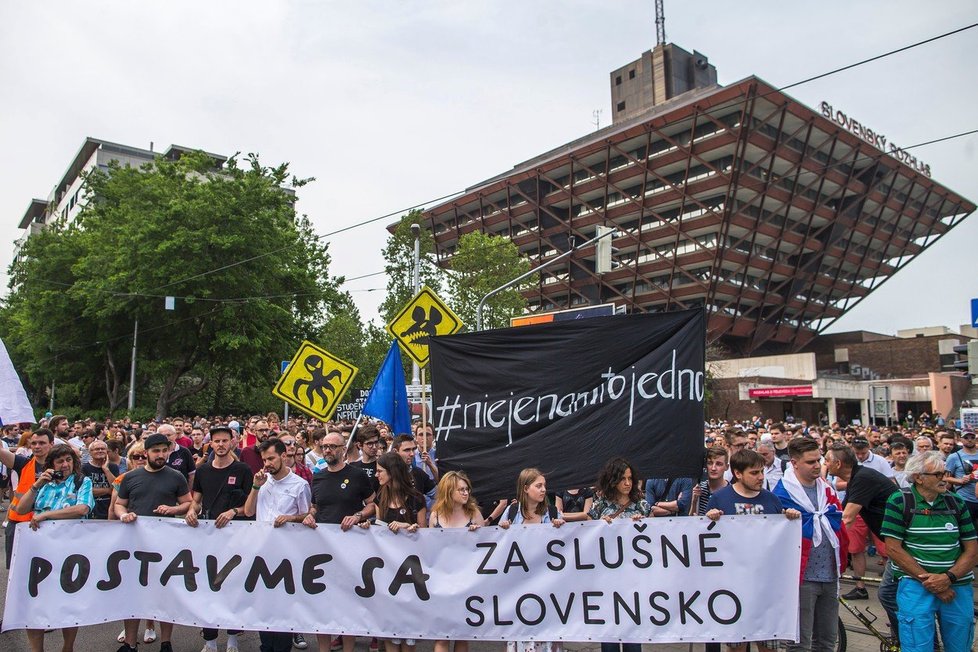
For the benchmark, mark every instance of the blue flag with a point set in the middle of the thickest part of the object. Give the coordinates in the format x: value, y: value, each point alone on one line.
x: 388, y: 399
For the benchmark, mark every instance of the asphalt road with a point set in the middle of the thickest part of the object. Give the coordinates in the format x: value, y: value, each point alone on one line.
x: 102, y: 638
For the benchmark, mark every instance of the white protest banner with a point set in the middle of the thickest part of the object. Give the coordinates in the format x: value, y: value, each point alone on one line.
x: 658, y: 580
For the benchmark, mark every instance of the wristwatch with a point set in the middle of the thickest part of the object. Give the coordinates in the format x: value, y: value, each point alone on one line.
x: 951, y: 576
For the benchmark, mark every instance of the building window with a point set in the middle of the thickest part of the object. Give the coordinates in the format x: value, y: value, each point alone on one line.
x: 621, y: 106
x: 618, y: 80
x: 631, y: 74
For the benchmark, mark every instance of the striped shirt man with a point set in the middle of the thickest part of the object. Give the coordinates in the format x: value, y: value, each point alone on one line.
x: 935, y: 532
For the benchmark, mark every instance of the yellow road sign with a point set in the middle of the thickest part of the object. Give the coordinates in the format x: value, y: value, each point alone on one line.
x: 426, y: 315
x: 315, y: 381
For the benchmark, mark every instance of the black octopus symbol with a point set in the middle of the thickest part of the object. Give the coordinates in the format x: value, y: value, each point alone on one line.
x: 425, y: 324
x: 319, y: 384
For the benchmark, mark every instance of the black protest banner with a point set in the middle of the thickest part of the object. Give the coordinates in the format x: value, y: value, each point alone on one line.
x: 566, y: 397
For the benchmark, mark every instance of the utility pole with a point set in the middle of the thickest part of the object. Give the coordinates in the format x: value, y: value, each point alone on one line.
x: 660, y: 23
x: 132, y: 369
x: 416, y: 232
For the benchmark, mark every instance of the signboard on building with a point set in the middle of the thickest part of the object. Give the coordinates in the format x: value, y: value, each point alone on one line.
x: 604, y: 310
x: 780, y: 392
x: 974, y: 313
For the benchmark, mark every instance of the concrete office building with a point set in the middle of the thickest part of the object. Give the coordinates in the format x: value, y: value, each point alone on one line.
x: 774, y: 216
x: 67, y: 198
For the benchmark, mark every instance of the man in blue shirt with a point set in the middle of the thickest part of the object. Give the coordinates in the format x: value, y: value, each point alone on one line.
x: 961, y: 467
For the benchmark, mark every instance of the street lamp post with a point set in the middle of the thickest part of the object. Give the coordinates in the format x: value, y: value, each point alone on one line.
x: 416, y: 232
x: 508, y: 284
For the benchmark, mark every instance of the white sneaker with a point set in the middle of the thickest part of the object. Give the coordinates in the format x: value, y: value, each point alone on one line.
x: 149, y: 636
x: 121, y: 637
x: 232, y: 648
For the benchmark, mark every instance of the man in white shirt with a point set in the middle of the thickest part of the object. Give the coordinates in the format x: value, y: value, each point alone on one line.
x: 278, y: 496
x: 773, y: 465
x: 869, y: 459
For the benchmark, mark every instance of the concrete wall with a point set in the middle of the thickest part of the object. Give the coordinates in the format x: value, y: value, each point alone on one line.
x: 794, y: 367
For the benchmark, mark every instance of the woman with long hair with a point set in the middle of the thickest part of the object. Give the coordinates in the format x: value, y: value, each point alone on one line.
x: 618, y: 493
x: 619, y: 497
x: 454, y: 506
x: 531, y: 507
x: 400, y: 507
x: 399, y: 504
x: 531, y: 504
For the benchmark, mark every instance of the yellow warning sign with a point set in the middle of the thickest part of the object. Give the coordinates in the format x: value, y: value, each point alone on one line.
x: 315, y: 381
x: 426, y: 315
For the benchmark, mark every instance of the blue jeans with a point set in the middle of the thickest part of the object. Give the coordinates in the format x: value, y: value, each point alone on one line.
x: 888, y: 599
x: 916, y: 608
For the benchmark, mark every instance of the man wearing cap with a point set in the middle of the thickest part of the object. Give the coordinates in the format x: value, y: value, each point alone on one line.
x: 961, y: 467
x: 219, y: 492
x: 151, y: 490
x: 867, y: 458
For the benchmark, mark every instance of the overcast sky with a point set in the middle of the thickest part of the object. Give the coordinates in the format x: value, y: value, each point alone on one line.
x: 391, y: 104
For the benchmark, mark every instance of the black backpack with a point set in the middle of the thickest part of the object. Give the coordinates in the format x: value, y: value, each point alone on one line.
x: 910, y: 508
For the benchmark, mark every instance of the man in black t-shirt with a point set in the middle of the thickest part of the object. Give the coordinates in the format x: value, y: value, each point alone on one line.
x: 219, y: 492
x: 151, y: 490
x: 103, y: 474
x: 180, y: 458
x: 341, y: 494
x: 867, y: 491
x: 406, y: 447
x: 368, y: 441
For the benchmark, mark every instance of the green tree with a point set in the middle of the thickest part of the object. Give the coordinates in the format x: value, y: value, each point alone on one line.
x: 481, y: 264
x: 399, y: 257
x: 250, y: 278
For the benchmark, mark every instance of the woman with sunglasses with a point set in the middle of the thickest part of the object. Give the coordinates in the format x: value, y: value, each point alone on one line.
x: 136, y: 457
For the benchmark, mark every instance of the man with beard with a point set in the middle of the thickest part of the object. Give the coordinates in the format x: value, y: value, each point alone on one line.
x: 151, y: 490
x: 406, y: 447
x: 103, y: 473
x: 278, y: 496
x: 343, y: 495
x: 219, y: 493
x: 250, y: 454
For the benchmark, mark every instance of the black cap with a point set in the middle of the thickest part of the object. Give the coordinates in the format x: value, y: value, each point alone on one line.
x: 156, y: 439
x: 860, y: 442
x: 226, y: 429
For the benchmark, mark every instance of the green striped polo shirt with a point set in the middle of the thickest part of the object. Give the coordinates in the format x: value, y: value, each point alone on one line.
x: 933, y: 540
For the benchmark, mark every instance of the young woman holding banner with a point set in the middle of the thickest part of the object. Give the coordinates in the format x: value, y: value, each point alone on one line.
x: 531, y: 508
x: 400, y: 508
x: 454, y: 506
x: 619, y: 497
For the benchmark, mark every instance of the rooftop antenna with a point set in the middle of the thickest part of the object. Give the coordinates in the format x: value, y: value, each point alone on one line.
x: 660, y: 23
x: 597, y: 119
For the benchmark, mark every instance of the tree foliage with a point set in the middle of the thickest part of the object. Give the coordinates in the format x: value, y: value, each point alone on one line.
x: 481, y: 264
x: 171, y: 228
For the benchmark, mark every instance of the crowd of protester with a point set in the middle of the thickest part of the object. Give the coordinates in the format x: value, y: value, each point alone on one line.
x: 905, y: 494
